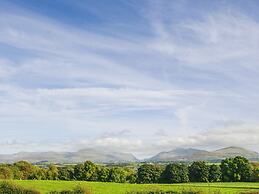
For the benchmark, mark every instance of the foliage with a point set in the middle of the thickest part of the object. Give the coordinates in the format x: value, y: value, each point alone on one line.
x: 12, y: 188
x: 214, y: 173
x: 77, y: 190
x: 175, y: 173
x: 87, y: 171
x: 66, y: 173
x: 165, y: 192
x: 199, y: 172
x: 149, y: 173
x: 236, y: 169
x: 230, y: 170
x: 25, y: 169
x: 38, y: 174
x: 255, y: 175
x: 117, y: 175
x: 6, y: 172
x: 52, y: 172
x: 131, y: 176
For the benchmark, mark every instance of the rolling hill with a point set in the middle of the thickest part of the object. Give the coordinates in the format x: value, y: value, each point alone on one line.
x: 191, y: 154
x: 102, y: 156
x: 94, y: 155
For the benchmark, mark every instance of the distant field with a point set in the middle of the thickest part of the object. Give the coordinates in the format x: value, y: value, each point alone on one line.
x: 116, y: 188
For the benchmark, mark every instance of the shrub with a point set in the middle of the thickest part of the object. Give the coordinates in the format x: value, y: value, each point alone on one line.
x: 251, y: 193
x: 164, y: 192
x: 76, y: 190
x: 152, y: 192
x: 12, y: 188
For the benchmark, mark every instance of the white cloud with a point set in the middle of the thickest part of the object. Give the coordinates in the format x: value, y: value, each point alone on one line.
x: 182, y: 77
x: 213, y: 43
x: 244, y: 135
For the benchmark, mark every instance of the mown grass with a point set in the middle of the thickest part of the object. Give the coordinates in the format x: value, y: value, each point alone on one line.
x: 116, y: 188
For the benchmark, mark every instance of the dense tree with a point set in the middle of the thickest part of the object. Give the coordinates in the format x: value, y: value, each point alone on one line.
x: 149, y: 173
x: 236, y: 169
x: 66, y: 173
x: 52, y: 172
x: 117, y: 175
x: 231, y: 169
x: 199, y: 172
x: 131, y: 175
x: 79, y: 172
x: 103, y: 174
x: 25, y: 169
x: 87, y: 171
x: 6, y: 172
x: 255, y: 175
x: 214, y: 173
x: 38, y: 174
x: 175, y: 173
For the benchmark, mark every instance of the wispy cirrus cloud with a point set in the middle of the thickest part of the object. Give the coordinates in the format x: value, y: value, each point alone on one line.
x: 181, y: 75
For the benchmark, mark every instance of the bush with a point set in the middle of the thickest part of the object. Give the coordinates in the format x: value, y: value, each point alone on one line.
x: 164, y: 192
x: 12, y: 188
x: 152, y: 192
x: 76, y: 190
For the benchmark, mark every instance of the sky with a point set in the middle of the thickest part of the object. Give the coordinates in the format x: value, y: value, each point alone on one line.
x: 136, y: 76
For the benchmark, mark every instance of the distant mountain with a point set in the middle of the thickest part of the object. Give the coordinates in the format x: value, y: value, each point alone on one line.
x: 234, y: 151
x: 100, y: 156
x: 190, y: 154
x: 103, y: 156
x: 177, y: 154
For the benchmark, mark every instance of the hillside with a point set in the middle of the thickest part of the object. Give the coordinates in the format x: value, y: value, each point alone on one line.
x: 191, y: 154
x: 69, y: 157
x: 102, y: 156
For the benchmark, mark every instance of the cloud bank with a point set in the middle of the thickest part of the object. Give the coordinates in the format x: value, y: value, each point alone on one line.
x: 168, y: 79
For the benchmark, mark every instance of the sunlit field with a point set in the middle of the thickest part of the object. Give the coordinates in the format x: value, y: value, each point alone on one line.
x: 117, y: 188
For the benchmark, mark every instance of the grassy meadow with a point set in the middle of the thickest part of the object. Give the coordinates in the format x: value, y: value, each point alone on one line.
x: 116, y: 188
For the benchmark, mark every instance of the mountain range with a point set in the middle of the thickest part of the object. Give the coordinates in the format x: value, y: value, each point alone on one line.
x: 102, y: 156
x: 95, y: 155
x: 190, y: 154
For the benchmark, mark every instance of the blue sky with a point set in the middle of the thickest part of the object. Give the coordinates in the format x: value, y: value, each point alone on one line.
x: 139, y: 76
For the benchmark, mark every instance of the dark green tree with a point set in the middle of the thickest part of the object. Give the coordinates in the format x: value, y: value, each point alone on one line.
x: 117, y: 175
x: 149, y: 173
x: 103, y: 174
x: 199, y: 172
x: 175, y: 173
x: 236, y: 169
x: 214, y: 173
x: 255, y: 175
x: 66, y: 173
x: 131, y: 175
x: 79, y: 172
x: 87, y: 171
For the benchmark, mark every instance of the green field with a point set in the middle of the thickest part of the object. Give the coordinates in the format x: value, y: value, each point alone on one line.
x: 116, y: 188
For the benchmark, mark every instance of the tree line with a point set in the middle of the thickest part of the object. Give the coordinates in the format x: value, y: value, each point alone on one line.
x: 229, y: 170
